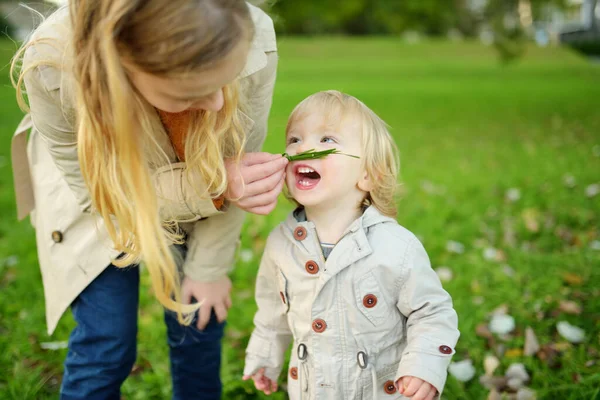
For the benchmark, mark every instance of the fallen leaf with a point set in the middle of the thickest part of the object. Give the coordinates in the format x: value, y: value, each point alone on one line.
x: 517, y: 371
x: 531, y: 218
x: 561, y: 346
x: 477, y: 300
x: 141, y: 366
x: 502, y: 324
x: 53, y: 346
x: 532, y: 345
x: 494, y: 395
x: 572, y: 279
x: 525, y: 394
x: 512, y: 195
x: 569, y: 181
x: 462, y: 371
x: 572, y: 333
x: 569, y: 307
x: 455, y: 247
x: 514, y: 383
x: 490, y: 363
x: 592, y: 190
x: 513, y: 353
x: 590, y: 363
x: 576, y: 377
x: 475, y: 287
x: 502, y: 309
x: 493, y: 382
x: 246, y: 255
x: 549, y: 356
x: 508, y: 271
x: 483, y: 331
x: 444, y: 273
x: 489, y: 253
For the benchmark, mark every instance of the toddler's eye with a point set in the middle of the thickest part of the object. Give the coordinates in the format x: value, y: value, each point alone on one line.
x: 293, y: 140
x: 327, y: 139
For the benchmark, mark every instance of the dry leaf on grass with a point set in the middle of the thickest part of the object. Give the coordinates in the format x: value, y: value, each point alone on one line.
x: 490, y: 363
x: 572, y: 279
x: 569, y: 307
x: 532, y: 345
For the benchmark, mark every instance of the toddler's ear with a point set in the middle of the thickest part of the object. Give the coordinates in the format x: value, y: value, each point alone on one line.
x: 365, y: 183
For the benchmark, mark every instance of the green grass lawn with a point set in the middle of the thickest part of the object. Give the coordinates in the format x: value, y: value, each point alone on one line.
x: 470, y: 132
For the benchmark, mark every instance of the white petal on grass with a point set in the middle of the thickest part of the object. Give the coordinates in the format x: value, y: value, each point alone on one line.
x: 11, y: 261
x: 502, y: 324
x: 569, y: 181
x: 54, y: 345
x: 515, y: 384
x: 246, y: 255
x: 478, y: 300
x: 444, y: 273
x: 490, y: 254
x: 508, y: 271
x: 455, y: 247
x: 532, y: 345
x: 592, y: 190
x: 517, y: 371
x: 596, y: 151
x: 572, y: 333
x: 490, y: 363
x: 526, y: 394
x: 595, y: 245
x: 513, y: 194
x: 463, y: 370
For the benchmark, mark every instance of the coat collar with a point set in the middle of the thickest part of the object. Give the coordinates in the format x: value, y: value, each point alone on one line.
x: 353, y: 246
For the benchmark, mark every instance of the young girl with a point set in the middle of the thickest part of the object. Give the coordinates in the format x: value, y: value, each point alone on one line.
x: 140, y: 112
x: 354, y: 290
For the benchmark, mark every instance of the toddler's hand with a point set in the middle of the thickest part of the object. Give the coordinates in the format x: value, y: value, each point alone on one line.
x: 415, y: 388
x: 261, y: 382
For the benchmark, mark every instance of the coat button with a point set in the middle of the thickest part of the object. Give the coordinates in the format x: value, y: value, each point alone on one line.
x: 445, y: 349
x: 57, y: 236
x: 294, y: 373
x: 300, y: 233
x: 319, y: 325
x: 312, y: 267
x: 389, y: 387
x: 282, y: 297
x: 370, y: 301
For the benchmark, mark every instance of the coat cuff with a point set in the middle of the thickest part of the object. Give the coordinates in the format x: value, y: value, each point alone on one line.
x: 177, y: 200
x: 429, y: 363
x: 264, y: 353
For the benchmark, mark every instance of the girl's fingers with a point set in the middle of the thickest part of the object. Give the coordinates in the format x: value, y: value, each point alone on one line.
x: 263, y: 198
x: 260, y: 171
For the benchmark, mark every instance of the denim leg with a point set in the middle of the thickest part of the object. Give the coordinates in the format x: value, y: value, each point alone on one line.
x: 102, y: 347
x: 195, y: 358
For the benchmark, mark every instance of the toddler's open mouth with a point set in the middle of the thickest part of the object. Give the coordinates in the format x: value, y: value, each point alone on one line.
x: 306, y: 177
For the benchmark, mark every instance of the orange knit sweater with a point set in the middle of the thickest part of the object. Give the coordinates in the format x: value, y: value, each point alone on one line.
x: 176, y: 125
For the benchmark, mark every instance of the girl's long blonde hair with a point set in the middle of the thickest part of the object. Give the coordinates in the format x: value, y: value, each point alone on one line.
x: 116, y: 126
x: 380, y: 159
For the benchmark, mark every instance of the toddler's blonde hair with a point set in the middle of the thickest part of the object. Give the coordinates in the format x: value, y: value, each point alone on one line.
x: 380, y: 157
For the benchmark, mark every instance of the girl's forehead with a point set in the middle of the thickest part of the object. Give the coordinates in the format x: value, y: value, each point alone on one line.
x: 320, y: 121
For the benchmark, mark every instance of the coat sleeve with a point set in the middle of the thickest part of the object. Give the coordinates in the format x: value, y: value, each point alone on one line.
x: 212, y: 242
x: 432, y: 323
x: 271, y: 336
x: 54, y: 119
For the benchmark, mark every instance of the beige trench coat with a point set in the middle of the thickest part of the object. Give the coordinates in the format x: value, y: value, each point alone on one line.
x: 373, y: 312
x: 73, y: 244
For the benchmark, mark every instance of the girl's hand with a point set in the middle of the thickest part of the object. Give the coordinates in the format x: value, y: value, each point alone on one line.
x: 212, y: 295
x: 255, y: 183
x: 415, y: 388
x: 261, y: 382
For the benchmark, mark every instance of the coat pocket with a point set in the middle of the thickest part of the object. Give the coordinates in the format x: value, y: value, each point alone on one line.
x: 385, y: 389
x: 371, y: 301
x: 283, y: 291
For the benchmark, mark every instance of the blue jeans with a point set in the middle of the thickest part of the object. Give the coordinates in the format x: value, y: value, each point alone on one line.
x: 102, y: 347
